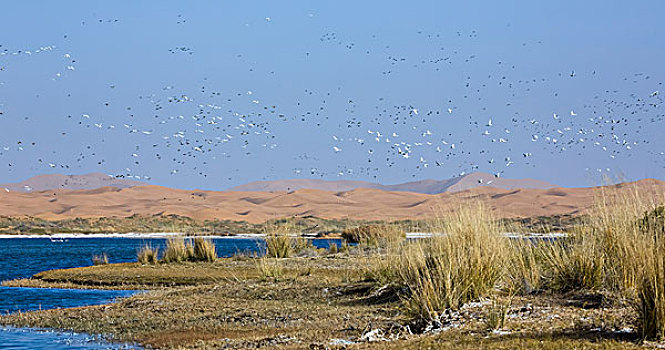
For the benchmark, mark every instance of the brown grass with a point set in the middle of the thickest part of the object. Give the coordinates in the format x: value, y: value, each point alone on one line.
x: 375, y: 235
x: 282, y: 239
x: 461, y: 263
x: 100, y: 259
x: 177, y: 251
x: 148, y: 255
x: 204, y: 250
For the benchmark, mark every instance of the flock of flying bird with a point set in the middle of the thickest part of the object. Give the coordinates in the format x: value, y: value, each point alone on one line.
x: 191, y: 130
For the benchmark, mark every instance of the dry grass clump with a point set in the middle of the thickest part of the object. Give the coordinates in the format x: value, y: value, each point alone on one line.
x: 574, y: 263
x: 148, y: 255
x: 524, y: 268
x: 269, y: 268
x: 204, y: 250
x: 647, y: 253
x: 281, y: 240
x: 374, y: 235
x: 495, y: 314
x: 177, y: 250
x: 462, y: 262
x: 630, y: 228
x: 100, y: 259
x: 332, y: 249
x: 279, y: 243
x: 649, y: 301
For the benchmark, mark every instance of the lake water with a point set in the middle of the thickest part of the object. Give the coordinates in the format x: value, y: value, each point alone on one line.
x: 23, y: 257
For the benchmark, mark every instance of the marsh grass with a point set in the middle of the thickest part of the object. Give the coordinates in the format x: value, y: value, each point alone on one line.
x: 574, y: 263
x: 524, y: 270
x: 629, y: 225
x: 177, y: 251
x: 148, y: 255
x: 204, y: 250
x: 100, y: 259
x: 375, y: 235
x: 279, y: 243
x: 333, y: 249
x: 462, y: 262
x: 282, y: 241
x: 269, y: 268
x: 495, y: 314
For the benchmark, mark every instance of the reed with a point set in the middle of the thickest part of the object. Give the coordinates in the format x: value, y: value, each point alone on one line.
x: 574, y: 263
x: 100, y: 259
x: 204, y: 250
x: 148, y: 255
x: 375, y: 235
x: 629, y: 225
x: 282, y: 241
x: 177, y: 251
x: 269, y: 268
x: 462, y: 262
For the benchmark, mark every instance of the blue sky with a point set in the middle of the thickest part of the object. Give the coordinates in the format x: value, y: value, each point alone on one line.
x: 214, y: 94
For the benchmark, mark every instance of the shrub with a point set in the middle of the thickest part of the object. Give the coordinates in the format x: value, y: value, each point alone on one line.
x: 148, y: 255
x: 100, y: 259
x: 204, y: 250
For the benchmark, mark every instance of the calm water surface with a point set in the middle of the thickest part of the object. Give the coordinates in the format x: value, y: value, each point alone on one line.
x: 23, y: 257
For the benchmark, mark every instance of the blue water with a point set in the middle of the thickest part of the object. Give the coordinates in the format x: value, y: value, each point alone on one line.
x: 23, y: 257
x: 26, y: 338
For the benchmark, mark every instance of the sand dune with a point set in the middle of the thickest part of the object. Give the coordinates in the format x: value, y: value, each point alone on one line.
x: 69, y: 182
x: 456, y: 184
x: 362, y: 203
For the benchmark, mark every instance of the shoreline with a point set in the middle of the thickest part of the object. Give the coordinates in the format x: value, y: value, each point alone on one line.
x: 164, y: 235
x: 155, y: 235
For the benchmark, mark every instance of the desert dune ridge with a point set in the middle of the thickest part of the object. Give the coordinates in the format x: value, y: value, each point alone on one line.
x: 256, y: 207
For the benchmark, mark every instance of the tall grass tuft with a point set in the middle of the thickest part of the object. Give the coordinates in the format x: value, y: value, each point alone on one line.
x: 148, y: 255
x: 100, y: 259
x: 524, y: 270
x: 462, y: 262
x: 278, y: 239
x: 649, y: 253
x: 281, y: 239
x: 204, y: 250
x: 269, y: 268
x: 575, y: 263
x: 649, y: 301
x: 177, y: 251
x: 630, y: 227
x: 375, y: 235
x: 495, y: 314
